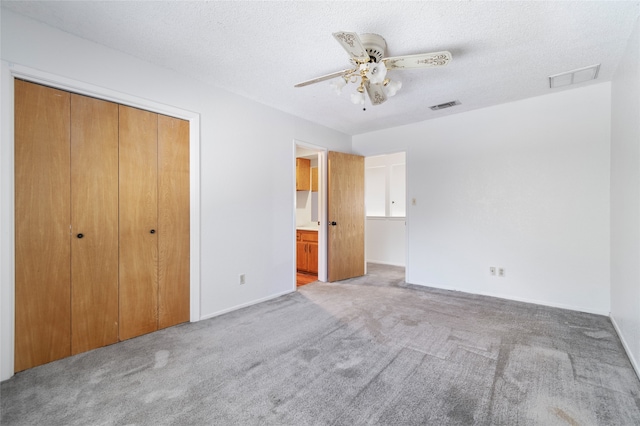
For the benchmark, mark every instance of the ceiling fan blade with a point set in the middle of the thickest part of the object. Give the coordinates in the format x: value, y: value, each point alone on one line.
x: 323, y: 78
x: 352, y: 44
x: 376, y: 93
x: 421, y: 60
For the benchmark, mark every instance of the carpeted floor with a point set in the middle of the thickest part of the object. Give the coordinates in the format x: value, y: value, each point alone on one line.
x: 370, y: 350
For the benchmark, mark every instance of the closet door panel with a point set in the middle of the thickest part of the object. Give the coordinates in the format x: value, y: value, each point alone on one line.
x: 94, y: 221
x: 42, y: 218
x: 173, y: 221
x: 138, y: 210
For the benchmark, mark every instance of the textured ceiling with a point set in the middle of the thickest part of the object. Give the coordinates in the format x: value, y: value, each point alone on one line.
x: 502, y: 51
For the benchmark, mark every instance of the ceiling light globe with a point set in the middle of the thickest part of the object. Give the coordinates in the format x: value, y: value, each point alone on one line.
x: 338, y: 85
x: 377, y: 73
x: 357, y: 98
x: 392, y: 88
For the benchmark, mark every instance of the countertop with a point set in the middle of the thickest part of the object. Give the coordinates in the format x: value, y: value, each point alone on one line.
x: 313, y: 226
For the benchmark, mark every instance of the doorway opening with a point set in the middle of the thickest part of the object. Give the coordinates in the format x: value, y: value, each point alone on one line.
x: 386, y: 208
x: 337, y: 231
x: 309, y: 208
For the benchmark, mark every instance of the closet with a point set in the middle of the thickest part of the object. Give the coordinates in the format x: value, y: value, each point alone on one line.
x: 101, y: 223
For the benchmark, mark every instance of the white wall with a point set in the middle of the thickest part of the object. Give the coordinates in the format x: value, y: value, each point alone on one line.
x: 385, y: 239
x: 246, y: 181
x: 524, y: 186
x: 625, y: 200
x: 303, y: 208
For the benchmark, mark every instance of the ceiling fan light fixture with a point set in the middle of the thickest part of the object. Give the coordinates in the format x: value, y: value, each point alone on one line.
x: 376, y: 73
x: 338, y: 85
x: 375, y: 45
x: 369, y: 66
x: 357, y: 98
x: 392, y: 87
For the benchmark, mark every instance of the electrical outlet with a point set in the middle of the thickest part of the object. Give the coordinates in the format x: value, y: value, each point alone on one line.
x: 502, y: 272
x: 242, y: 281
x: 492, y: 270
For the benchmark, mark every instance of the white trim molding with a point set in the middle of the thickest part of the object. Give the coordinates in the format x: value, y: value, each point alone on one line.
x: 625, y: 345
x: 245, y: 305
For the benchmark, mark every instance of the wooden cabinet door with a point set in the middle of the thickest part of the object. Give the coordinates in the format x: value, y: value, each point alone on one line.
x: 94, y: 223
x: 42, y: 218
x: 314, y: 179
x: 307, y: 251
x: 303, y: 174
x: 138, y: 215
x: 173, y: 221
x: 301, y: 255
x: 312, y: 262
x: 345, y: 206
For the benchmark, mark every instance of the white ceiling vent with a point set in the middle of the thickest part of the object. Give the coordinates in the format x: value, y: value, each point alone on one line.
x: 573, y: 77
x: 445, y: 105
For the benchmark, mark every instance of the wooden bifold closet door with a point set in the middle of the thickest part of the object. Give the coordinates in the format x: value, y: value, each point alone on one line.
x: 138, y: 222
x: 42, y: 217
x: 154, y: 221
x: 173, y: 220
x: 102, y: 223
x: 94, y: 223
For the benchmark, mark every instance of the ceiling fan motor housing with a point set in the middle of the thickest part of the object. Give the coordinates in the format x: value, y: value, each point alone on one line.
x: 375, y: 46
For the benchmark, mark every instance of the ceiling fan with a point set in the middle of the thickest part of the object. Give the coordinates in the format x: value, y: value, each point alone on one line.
x: 370, y: 67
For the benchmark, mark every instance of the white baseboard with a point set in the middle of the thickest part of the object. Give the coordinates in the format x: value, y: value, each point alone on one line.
x: 244, y: 305
x: 384, y: 263
x: 550, y: 304
x: 526, y: 300
x: 633, y: 361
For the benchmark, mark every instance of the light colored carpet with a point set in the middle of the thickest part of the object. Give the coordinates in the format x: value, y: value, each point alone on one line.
x: 370, y: 350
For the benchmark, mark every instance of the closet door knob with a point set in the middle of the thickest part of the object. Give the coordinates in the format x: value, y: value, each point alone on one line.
x: 153, y: 231
x: 80, y: 235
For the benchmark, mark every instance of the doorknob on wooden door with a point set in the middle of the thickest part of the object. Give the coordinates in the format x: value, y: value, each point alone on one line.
x: 333, y: 224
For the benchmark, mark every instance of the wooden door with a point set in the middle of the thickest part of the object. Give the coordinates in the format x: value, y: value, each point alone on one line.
x: 138, y: 214
x: 42, y: 218
x: 94, y: 223
x: 345, y: 206
x: 173, y: 221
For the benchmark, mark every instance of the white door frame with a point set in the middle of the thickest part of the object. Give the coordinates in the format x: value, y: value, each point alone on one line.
x: 322, y: 202
x: 407, y: 205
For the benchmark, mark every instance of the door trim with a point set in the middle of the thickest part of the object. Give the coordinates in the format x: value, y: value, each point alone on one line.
x: 322, y: 200
x: 7, y: 182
